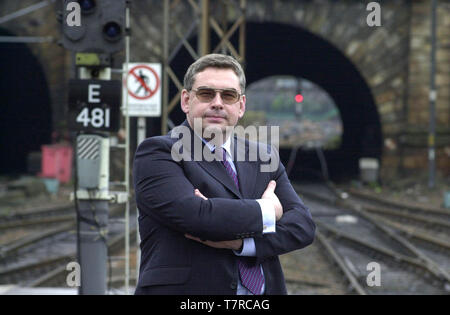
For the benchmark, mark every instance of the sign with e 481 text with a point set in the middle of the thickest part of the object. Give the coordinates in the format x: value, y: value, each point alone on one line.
x: 94, y: 105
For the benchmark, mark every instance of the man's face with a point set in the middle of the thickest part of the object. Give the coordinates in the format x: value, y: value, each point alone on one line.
x: 215, y: 115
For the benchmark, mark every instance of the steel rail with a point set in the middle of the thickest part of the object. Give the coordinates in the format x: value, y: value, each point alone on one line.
x: 31, y: 239
x: 114, y: 243
x: 428, y: 222
x: 412, y: 233
x: 343, y: 267
x: 424, y: 260
x: 399, y: 204
x: 396, y: 257
x: 9, y: 249
x: 28, y: 222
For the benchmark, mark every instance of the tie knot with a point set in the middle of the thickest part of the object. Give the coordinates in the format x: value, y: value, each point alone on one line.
x: 220, y: 152
x: 224, y: 154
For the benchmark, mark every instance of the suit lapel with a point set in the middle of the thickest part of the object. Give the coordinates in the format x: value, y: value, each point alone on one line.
x: 246, y: 171
x: 215, y: 168
x: 218, y: 171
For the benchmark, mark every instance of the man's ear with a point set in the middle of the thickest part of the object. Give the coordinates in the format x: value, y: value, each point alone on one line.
x: 242, y: 106
x: 185, y: 101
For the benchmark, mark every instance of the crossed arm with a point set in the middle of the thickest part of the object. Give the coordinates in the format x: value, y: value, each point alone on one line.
x: 161, y: 187
x: 269, y: 194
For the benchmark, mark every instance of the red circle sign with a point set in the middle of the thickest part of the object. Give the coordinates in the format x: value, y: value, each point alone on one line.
x: 142, y: 82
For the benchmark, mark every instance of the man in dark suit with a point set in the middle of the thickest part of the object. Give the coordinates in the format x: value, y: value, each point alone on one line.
x: 214, y: 226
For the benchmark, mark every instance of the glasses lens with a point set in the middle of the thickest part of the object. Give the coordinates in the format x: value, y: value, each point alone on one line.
x: 230, y: 96
x: 206, y: 95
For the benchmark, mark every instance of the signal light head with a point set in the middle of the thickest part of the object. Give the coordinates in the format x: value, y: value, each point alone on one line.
x: 102, y: 26
x: 87, y: 6
x: 112, y: 31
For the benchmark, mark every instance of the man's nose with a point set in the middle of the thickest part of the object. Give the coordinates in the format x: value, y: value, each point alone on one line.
x: 217, y: 100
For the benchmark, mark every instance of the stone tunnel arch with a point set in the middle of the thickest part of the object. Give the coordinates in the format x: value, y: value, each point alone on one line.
x: 295, y: 51
x: 25, y: 109
x: 281, y: 49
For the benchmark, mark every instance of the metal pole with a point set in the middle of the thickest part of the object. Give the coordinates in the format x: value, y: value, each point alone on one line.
x: 127, y: 159
x: 25, y: 11
x: 165, y: 45
x: 92, y: 209
x: 93, y: 247
x: 433, y: 96
x: 27, y: 39
x: 204, y: 30
x: 141, y: 135
x: 242, y: 33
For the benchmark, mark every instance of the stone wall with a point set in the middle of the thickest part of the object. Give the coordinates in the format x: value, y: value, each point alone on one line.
x: 415, y: 134
x: 393, y: 58
x: 379, y: 53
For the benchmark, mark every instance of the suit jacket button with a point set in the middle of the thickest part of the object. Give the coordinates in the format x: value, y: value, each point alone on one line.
x: 233, y: 285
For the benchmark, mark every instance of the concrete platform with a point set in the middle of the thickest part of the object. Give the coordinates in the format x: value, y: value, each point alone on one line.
x: 17, y: 290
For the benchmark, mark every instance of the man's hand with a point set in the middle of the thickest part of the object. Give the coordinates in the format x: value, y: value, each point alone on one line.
x: 232, y: 244
x: 269, y: 194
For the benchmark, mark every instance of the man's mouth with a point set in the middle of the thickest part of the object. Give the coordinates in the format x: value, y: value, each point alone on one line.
x: 214, y: 117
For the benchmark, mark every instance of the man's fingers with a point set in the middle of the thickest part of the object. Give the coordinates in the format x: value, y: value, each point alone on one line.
x: 270, y: 187
x: 193, y: 237
x: 199, y: 194
x: 272, y: 184
x: 206, y: 242
x: 233, y: 244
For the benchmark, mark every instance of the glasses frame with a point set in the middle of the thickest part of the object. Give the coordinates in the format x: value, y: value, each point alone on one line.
x: 220, y: 92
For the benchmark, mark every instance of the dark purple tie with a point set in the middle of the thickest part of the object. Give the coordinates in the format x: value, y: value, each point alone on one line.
x: 251, y: 275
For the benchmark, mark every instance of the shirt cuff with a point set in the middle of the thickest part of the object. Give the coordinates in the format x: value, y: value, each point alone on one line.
x: 268, y: 215
x: 248, y: 248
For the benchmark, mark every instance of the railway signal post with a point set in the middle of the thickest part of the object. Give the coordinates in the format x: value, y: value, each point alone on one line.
x: 94, y: 112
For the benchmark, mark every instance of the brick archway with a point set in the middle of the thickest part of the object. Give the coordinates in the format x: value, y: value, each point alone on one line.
x: 288, y: 50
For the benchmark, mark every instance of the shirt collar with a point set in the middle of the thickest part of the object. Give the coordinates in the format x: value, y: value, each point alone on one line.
x: 226, y: 146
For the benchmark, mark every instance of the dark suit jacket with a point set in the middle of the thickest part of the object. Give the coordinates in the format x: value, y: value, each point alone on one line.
x: 168, y: 209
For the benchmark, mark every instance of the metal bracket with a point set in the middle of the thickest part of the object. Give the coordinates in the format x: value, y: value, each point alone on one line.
x: 92, y: 60
x: 111, y: 196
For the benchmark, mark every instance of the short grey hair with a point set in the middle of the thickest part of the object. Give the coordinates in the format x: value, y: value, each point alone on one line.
x: 213, y: 61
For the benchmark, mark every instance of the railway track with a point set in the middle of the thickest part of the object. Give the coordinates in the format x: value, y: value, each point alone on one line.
x: 21, y: 227
x: 411, y: 262
x: 349, y: 237
x: 37, y: 215
x: 40, y: 257
x: 413, y: 208
x: 57, y: 276
x: 318, y: 269
x: 420, y: 218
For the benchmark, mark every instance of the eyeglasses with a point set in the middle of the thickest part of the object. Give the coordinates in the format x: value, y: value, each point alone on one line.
x: 206, y: 94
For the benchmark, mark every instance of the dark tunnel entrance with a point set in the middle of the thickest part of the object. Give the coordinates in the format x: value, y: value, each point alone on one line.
x: 278, y: 49
x: 25, y: 111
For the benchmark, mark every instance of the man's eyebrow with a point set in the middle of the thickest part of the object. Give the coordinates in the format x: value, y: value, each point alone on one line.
x: 209, y: 87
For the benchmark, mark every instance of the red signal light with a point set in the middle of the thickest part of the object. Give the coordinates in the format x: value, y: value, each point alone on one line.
x: 299, y: 98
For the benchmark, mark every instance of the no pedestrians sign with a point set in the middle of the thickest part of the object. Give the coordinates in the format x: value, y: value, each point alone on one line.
x: 142, y: 83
